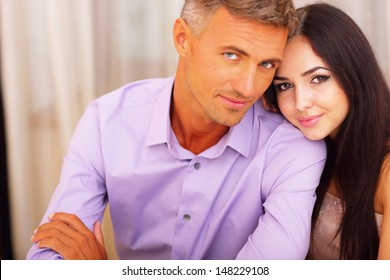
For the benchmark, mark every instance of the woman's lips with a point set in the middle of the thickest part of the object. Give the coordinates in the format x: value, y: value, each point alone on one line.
x: 310, y: 121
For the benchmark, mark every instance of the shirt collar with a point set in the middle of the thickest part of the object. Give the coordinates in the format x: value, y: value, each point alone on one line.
x: 238, y: 138
x: 160, y: 125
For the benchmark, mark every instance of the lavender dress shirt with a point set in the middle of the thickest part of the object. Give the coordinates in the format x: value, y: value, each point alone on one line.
x: 248, y: 197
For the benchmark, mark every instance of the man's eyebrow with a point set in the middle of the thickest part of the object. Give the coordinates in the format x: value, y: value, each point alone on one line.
x: 236, y: 49
x: 244, y: 53
x: 308, y: 72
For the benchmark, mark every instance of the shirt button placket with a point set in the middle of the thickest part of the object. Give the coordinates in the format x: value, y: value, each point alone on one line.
x: 197, y: 166
x: 186, y: 217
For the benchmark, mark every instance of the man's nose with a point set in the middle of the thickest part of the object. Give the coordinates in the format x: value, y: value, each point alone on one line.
x: 245, y: 81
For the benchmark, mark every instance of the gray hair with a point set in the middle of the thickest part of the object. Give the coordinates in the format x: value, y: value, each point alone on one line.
x: 275, y: 12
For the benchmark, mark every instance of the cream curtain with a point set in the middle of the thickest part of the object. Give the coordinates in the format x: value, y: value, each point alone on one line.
x: 58, y: 55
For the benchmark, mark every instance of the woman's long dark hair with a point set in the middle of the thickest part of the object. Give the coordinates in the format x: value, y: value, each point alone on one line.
x: 357, y: 154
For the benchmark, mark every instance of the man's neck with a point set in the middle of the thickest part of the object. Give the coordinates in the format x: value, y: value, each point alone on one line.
x: 195, y: 138
x: 192, y: 132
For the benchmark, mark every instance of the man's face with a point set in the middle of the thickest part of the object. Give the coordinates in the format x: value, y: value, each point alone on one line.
x: 230, y: 65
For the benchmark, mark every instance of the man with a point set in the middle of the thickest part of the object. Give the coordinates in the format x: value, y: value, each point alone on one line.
x: 193, y: 167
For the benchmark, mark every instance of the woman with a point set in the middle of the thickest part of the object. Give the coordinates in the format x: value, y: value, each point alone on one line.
x: 330, y: 86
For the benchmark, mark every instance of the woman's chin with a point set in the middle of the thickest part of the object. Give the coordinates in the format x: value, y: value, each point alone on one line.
x: 313, y: 136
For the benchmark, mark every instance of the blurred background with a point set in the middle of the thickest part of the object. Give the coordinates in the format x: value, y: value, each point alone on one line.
x: 56, y: 56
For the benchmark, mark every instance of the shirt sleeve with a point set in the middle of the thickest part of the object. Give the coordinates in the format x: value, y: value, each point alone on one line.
x: 81, y: 189
x: 291, y: 173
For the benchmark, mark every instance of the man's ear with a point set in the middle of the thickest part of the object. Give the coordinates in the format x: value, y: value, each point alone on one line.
x: 181, y: 33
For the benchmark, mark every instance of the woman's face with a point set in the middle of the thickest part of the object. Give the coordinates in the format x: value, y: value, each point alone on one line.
x: 307, y: 94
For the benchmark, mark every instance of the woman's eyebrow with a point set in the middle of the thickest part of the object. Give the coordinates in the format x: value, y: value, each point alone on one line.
x: 308, y: 72
x: 313, y: 70
x: 279, y: 78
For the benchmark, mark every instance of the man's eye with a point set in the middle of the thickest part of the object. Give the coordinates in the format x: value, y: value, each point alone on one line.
x: 267, y: 65
x: 231, y: 56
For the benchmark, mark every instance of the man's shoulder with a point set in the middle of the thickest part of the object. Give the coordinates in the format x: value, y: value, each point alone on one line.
x: 138, y: 93
x: 282, y: 137
x: 273, y: 123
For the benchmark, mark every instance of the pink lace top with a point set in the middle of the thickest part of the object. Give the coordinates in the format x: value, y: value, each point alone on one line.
x: 323, y: 245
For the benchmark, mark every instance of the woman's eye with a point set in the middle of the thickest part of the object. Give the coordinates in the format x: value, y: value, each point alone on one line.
x: 320, y: 79
x: 231, y: 56
x: 283, y: 86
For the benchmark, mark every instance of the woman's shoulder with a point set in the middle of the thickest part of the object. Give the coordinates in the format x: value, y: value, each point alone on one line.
x: 383, y: 191
x: 383, y: 196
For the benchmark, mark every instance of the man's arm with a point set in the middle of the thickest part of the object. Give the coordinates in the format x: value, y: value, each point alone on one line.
x: 67, y: 235
x: 81, y: 192
x: 290, y: 177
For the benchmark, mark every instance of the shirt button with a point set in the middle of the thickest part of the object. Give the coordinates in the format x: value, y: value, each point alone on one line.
x: 186, y: 218
x: 197, y: 166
